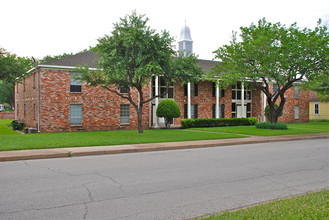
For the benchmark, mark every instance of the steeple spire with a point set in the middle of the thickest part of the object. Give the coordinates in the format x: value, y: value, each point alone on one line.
x: 185, y: 42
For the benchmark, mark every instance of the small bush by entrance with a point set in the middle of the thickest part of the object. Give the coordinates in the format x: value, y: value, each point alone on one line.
x: 268, y: 125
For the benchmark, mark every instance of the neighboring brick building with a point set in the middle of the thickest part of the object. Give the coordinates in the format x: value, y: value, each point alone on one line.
x: 51, y: 100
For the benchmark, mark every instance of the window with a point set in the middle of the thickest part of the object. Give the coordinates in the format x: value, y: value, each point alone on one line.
x: 275, y: 88
x: 34, y: 80
x: 221, y: 92
x: 248, y: 110
x: 237, y: 92
x: 76, y: 114
x: 296, y: 111
x: 296, y: 92
x: 75, y: 83
x: 316, y: 109
x: 162, y: 88
x: 221, y: 111
x: 124, y: 90
x: 194, y: 89
x: 233, y: 110
x: 194, y: 111
x: 124, y: 113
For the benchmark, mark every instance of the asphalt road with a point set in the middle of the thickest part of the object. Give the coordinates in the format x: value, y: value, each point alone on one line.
x: 176, y: 184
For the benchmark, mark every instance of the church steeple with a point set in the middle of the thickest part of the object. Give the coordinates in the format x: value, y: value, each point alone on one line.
x: 185, y: 42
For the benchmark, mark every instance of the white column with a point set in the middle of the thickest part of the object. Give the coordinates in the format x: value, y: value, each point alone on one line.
x: 217, y: 100
x: 188, y: 100
x: 242, y: 101
x: 264, y: 106
x: 156, y: 100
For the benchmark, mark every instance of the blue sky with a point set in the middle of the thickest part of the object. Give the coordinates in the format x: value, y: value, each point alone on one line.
x: 38, y: 27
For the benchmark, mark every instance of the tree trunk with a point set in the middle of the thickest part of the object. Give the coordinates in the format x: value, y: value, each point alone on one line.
x: 140, y: 121
x: 167, y: 121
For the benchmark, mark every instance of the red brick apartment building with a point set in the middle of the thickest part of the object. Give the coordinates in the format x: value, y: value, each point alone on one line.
x: 51, y: 100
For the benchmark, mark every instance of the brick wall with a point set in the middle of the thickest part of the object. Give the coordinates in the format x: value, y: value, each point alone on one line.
x: 7, y: 115
x: 288, y: 115
x: 26, y: 102
x: 100, y: 108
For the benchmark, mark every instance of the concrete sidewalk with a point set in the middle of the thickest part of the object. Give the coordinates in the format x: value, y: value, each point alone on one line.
x: 117, y: 149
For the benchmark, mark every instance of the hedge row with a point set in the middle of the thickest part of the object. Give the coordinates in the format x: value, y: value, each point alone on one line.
x: 216, y: 122
x: 268, y: 125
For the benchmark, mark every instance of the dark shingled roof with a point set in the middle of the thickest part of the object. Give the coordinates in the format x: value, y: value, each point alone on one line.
x: 89, y: 58
x: 207, y: 64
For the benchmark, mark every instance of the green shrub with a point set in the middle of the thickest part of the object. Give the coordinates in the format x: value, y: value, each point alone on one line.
x: 168, y: 109
x: 268, y: 125
x: 216, y: 122
x: 16, y: 125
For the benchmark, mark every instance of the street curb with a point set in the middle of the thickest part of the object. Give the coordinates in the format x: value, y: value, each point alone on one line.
x: 118, y: 149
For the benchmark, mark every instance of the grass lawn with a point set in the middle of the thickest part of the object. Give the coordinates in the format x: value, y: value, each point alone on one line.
x: 303, y: 128
x: 308, y: 206
x: 12, y: 140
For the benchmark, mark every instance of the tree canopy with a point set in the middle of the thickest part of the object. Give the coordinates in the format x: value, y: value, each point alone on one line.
x: 12, y: 66
x: 132, y: 54
x: 320, y: 84
x: 274, y: 53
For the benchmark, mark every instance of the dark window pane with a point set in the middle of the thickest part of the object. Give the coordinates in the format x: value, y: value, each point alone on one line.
x: 249, y: 107
x: 233, y: 107
x: 124, y: 90
x: 239, y: 95
x: 248, y: 95
x: 162, y: 90
x: 233, y: 94
x: 75, y: 88
x: 171, y: 93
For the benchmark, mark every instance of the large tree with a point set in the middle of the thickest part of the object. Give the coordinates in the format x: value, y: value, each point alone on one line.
x: 320, y: 84
x: 274, y: 53
x: 131, y: 55
x: 12, y: 69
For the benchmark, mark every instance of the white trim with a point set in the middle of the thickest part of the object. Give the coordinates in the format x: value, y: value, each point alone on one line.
x: 60, y: 67
x: 217, y: 101
x: 55, y: 67
x: 188, y: 100
x: 156, y: 101
x: 243, y: 113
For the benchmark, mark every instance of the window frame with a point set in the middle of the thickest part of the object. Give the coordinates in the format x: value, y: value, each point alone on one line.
x: 297, y: 94
x: 74, y: 117
x: 75, y: 85
x: 297, y: 110
x: 124, y: 117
